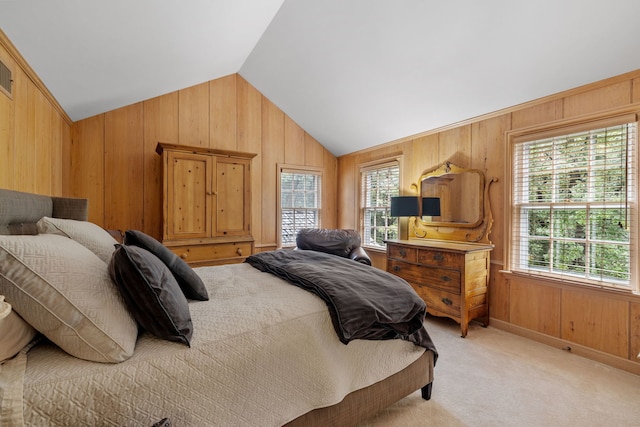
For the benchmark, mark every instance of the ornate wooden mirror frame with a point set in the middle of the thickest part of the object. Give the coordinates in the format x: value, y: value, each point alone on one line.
x: 465, y: 209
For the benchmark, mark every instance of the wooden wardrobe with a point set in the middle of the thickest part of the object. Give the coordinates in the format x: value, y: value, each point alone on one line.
x: 206, y: 204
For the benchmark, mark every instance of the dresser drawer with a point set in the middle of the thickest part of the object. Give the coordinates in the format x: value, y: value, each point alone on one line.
x: 402, y: 253
x: 440, y: 301
x: 438, y: 258
x: 441, y: 278
x: 210, y: 252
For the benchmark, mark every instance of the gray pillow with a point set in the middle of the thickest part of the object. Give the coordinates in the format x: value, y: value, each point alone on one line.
x: 88, y: 234
x: 151, y: 293
x: 64, y: 291
x: 331, y: 241
x: 190, y: 283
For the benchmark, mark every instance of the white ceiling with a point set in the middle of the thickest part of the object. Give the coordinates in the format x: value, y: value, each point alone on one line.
x: 352, y: 73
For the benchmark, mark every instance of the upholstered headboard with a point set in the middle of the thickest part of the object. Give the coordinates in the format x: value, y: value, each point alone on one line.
x: 19, y: 212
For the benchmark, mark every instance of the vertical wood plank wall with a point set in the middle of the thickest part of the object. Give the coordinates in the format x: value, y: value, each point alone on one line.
x: 34, y: 131
x: 114, y: 163
x: 599, y: 324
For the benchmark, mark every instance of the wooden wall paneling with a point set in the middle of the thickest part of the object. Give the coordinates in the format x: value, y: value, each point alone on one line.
x: 420, y: 154
x: 634, y: 332
x: 614, y: 95
x: 24, y: 147
x: 313, y: 152
x: 490, y: 159
x: 193, y: 115
x: 87, y: 165
x: 596, y: 321
x: 124, y: 165
x: 223, y: 119
x: 57, y: 167
x: 65, y: 161
x: 635, y: 90
x: 348, y: 184
x: 455, y: 145
x: 160, y: 125
x: 537, y: 114
x: 249, y: 122
x: 44, y: 145
x: 330, y: 191
x: 272, y: 154
x: 294, y: 143
x: 30, y: 136
x: 536, y: 307
x: 7, y: 138
x: 499, y: 294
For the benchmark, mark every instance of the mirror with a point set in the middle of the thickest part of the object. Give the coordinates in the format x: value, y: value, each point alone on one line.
x: 460, y: 194
x: 455, y: 205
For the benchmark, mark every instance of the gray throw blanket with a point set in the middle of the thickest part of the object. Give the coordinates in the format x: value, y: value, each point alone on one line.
x: 364, y: 302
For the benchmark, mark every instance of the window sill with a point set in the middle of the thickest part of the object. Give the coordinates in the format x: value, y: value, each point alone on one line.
x: 375, y: 249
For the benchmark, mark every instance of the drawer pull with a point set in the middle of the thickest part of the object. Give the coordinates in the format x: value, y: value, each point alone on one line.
x: 396, y: 268
x: 239, y: 251
x: 438, y: 257
x: 445, y: 278
x: 403, y: 252
x: 447, y: 301
x: 184, y: 255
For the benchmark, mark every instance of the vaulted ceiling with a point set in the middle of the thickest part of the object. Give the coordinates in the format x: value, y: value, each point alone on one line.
x: 352, y: 73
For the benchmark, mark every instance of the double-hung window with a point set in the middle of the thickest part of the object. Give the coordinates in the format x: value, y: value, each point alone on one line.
x: 379, y: 182
x: 574, y: 203
x: 300, y: 202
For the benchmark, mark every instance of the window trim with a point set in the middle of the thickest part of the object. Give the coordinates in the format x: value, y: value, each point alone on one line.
x: 565, y: 127
x: 394, y: 159
x: 296, y: 169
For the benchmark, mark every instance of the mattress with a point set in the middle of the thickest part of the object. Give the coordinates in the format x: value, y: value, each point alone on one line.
x: 263, y: 353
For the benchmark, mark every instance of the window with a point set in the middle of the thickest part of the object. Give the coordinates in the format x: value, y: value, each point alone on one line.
x: 574, y: 204
x: 300, y: 202
x: 380, y: 182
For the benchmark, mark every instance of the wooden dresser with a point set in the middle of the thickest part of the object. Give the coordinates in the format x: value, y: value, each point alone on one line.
x: 206, y: 204
x: 452, y: 277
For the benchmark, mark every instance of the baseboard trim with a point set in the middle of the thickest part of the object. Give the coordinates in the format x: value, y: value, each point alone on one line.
x: 586, y: 352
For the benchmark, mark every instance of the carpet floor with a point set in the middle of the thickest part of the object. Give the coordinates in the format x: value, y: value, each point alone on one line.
x: 494, y: 378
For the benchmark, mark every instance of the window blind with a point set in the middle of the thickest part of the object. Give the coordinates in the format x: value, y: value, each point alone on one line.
x: 574, y: 204
x: 379, y: 183
x: 300, y: 202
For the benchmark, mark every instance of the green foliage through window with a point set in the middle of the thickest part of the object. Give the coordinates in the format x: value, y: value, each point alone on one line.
x: 572, y: 205
x: 379, y: 184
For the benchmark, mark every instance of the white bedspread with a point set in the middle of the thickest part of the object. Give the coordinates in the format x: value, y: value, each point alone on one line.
x: 263, y: 353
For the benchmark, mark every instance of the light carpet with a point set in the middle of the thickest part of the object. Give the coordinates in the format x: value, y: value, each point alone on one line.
x: 495, y: 378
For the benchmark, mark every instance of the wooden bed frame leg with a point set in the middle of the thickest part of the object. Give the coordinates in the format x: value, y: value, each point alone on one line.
x: 426, y: 391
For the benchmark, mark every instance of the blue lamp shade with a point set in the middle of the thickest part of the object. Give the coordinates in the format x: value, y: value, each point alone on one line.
x: 405, y: 206
x: 431, y: 206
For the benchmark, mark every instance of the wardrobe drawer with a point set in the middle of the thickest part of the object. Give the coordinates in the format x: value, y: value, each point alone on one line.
x: 209, y: 253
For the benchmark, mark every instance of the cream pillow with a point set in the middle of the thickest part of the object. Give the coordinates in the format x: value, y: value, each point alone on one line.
x: 64, y: 291
x: 15, y: 333
x: 88, y: 234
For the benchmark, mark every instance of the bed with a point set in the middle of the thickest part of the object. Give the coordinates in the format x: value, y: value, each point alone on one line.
x: 257, y: 351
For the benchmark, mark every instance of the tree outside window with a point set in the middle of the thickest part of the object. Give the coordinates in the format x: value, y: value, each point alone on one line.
x: 574, y: 204
x: 379, y: 183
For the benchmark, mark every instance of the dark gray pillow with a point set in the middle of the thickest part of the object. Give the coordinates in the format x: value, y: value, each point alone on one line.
x: 151, y: 293
x: 190, y: 283
x: 331, y: 241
